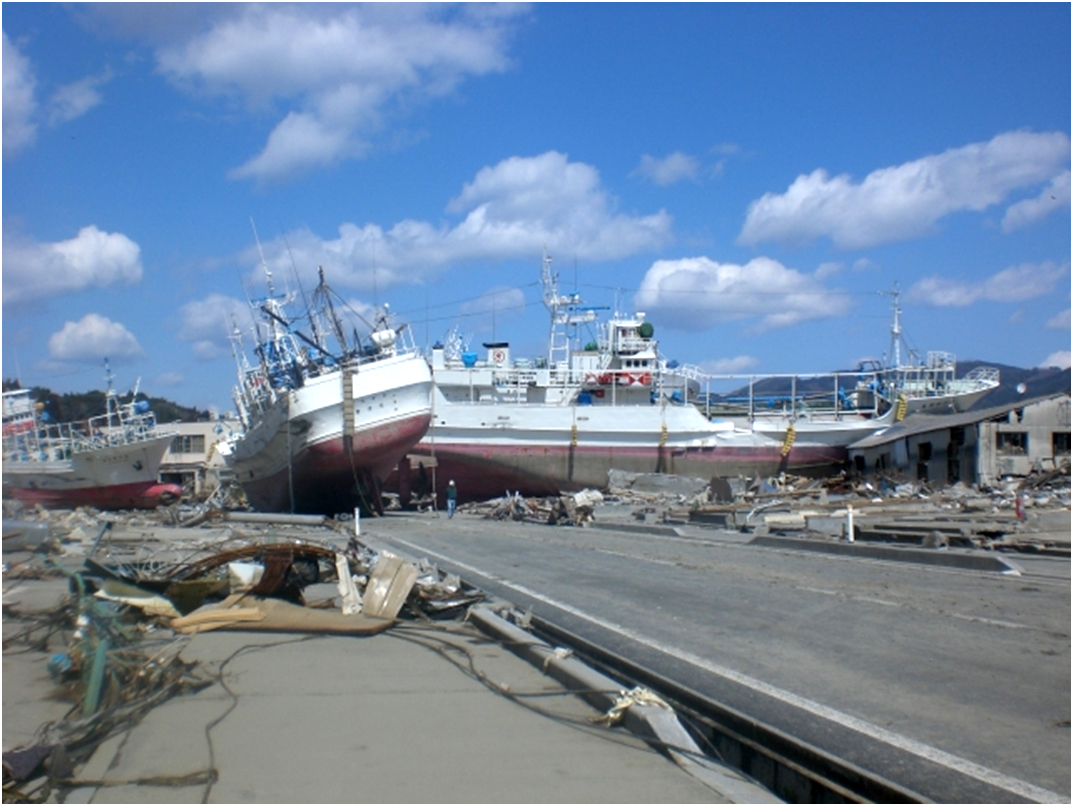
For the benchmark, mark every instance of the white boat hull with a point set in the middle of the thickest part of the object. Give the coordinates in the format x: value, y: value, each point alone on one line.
x: 303, y: 454
x: 539, y: 449
x: 110, y: 477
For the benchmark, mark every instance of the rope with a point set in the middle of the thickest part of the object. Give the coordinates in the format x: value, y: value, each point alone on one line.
x: 559, y: 653
x: 635, y: 696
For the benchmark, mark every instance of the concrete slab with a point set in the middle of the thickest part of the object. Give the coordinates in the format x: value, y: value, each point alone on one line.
x: 396, y: 722
x: 420, y: 713
x: 964, y: 559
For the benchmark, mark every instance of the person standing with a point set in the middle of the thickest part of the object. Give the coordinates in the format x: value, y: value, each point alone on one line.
x: 452, y: 498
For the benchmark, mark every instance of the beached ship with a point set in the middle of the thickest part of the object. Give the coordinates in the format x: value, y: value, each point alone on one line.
x: 322, y: 427
x: 109, y: 462
x: 928, y: 383
x: 561, y: 422
x: 842, y: 403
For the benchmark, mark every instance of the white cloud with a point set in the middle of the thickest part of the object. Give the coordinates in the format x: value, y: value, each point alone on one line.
x: 729, y: 366
x: 92, y: 338
x: 170, y: 379
x: 1015, y: 284
x: 344, y: 68
x: 19, y: 106
x: 207, y: 324
x: 905, y: 201
x: 74, y: 100
x: 672, y: 168
x: 1059, y: 321
x: 696, y: 293
x: 1053, y: 197
x: 21, y: 110
x: 300, y: 141
x: 1061, y: 359
x: 511, y: 210
x: 93, y: 258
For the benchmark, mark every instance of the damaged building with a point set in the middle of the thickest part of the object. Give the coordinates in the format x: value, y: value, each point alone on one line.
x: 974, y: 447
x: 193, y: 460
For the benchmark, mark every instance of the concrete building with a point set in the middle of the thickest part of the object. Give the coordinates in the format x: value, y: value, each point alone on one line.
x: 975, y: 447
x: 192, y: 459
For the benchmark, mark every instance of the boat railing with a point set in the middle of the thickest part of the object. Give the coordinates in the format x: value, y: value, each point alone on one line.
x: 836, y: 395
x: 45, y: 441
x: 985, y: 376
x: 938, y: 378
x: 937, y: 359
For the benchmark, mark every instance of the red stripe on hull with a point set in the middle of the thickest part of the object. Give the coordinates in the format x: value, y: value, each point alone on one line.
x: 139, y: 495
x: 325, y: 476
x: 491, y: 471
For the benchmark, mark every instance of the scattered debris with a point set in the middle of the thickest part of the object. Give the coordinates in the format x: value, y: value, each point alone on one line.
x: 28, y: 536
x: 1031, y: 514
x: 390, y: 582
x: 110, y: 664
x: 263, y: 614
x: 662, y: 485
x: 141, y: 587
x: 575, y: 509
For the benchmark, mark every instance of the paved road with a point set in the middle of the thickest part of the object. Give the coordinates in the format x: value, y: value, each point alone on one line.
x: 953, y: 684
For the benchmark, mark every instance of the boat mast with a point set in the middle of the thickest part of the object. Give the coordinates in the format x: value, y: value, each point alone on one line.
x: 895, y: 354
x: 896, y: 329
x: 552, y: 301
x: 325, y: 295
x: 564, y: 314
x: 111, y: 403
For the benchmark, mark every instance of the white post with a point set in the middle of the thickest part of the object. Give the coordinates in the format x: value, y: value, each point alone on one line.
x: 357, y: 522
x: 849, y: 523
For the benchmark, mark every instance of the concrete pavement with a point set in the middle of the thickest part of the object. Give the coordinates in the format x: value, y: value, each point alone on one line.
x: 420, y: 713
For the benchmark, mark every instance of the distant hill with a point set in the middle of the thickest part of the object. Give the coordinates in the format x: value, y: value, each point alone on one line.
x: 76, y: 406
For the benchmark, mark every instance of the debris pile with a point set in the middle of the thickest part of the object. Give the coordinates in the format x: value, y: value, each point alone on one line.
x: 1029, y: 514
x: 114, y: 644
x: 575, y: 509
x: 657, y: 488
x: 112, y: 666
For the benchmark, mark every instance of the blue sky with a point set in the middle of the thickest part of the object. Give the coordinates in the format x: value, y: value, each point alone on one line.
x: 752, y: 177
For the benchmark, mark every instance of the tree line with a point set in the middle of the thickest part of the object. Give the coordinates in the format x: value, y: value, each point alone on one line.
x: 75, y: 406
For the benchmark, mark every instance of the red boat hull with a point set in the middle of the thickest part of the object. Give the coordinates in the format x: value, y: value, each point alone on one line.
x: 139, y: 495
x: 330, y: 477
x: 491, y: 471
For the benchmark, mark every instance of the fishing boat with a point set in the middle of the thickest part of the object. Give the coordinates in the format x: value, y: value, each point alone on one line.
x: 322, y: 426
x: 562, y: 421
x: 926, y: 383
x: 109, y: 462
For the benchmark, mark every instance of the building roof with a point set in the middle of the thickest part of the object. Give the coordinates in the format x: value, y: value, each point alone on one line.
x: 924, y: 423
